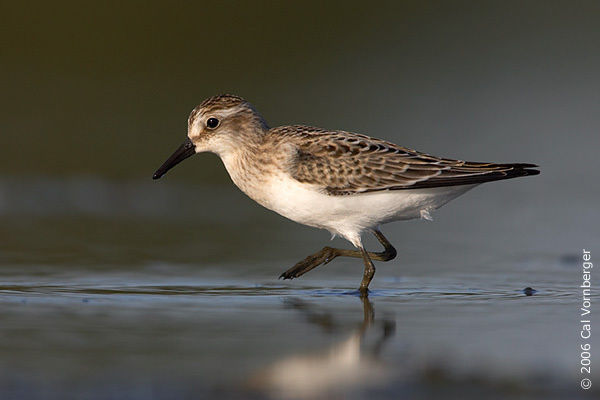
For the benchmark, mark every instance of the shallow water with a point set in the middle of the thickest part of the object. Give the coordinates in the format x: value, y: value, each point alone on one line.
x: 133, y: 290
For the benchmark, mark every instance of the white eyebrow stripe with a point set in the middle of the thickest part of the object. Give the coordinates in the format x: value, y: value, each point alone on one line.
x: 196, y: 115
x: 224, y: 113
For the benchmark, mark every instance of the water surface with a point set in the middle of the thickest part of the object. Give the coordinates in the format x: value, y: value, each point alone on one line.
x: 179, y: 297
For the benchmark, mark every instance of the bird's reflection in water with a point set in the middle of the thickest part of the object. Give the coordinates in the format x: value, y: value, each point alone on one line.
x: 349, y: 365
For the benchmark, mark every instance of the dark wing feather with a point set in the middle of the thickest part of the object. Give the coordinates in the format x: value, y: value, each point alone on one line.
x: 347, y: 163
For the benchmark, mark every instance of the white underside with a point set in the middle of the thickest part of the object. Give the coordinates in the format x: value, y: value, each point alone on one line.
x: 349, y: 215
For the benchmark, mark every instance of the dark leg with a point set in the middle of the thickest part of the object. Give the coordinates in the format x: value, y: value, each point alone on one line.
x: 326, y: 254
x: 369, y: 273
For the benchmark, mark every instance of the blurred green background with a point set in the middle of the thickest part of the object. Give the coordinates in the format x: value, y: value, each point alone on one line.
x: 112, y: 283
x: 103, y: 88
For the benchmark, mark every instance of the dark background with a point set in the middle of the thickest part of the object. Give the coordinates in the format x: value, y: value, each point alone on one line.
x: 104, y: 88
x: 116, y: 286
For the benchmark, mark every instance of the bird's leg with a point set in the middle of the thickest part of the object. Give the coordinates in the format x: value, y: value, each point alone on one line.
x: 326, y: 254
x: 368, y: 275
x: 388, y: 253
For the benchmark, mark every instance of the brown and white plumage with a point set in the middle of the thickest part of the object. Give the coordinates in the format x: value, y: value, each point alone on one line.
x: 349, y: 163
x: 344, y: 182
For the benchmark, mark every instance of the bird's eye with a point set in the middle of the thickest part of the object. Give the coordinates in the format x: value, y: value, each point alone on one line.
x: 212, y: 123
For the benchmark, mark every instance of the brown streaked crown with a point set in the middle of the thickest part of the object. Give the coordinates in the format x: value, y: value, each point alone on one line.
x: 228, y: 101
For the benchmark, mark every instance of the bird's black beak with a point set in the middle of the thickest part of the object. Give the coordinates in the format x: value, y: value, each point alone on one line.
x: 187, y: 149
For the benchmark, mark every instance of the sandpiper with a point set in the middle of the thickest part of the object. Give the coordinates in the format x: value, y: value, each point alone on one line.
x: 344, y: 182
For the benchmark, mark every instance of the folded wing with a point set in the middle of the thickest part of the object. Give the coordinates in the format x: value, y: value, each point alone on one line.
x: 347, y: 163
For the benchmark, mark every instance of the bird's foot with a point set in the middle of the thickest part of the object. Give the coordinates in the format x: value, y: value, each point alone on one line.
x: 325, y: 255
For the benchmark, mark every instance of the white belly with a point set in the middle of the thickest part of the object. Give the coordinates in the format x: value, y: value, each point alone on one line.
x: 348, y: 215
